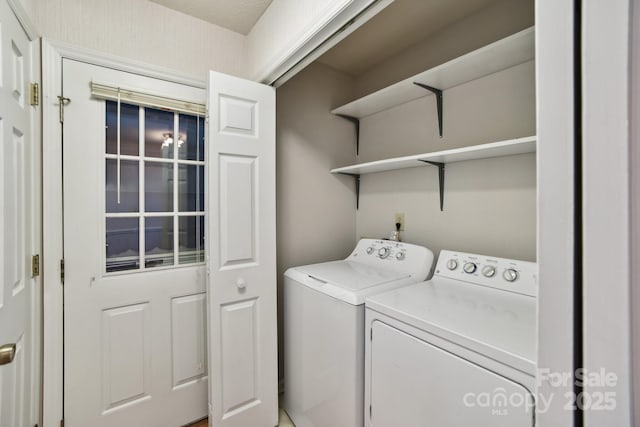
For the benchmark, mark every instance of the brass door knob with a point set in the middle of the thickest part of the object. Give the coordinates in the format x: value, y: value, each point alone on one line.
x: 7, y: 353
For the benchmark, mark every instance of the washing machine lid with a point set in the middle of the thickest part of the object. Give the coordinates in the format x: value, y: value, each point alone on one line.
x: 497, y: 324
x: 349, y: 281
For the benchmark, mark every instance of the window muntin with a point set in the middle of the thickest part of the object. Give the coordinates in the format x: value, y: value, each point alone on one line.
x: 158, y: 220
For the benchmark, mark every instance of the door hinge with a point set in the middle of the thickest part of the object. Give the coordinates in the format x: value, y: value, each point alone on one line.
x: 62, y: 270
x: 371, y: 334
x: 370, y: 411
x: 61, y: 423
x: 62, y: 101
x: 34, y: 95
x: 35, y: 265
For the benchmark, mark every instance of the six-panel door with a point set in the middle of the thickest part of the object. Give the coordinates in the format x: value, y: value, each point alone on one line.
x: 241, y: 251
x: 19, y: 225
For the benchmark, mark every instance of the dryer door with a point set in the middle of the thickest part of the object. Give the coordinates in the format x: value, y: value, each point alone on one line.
x: 414, y: 383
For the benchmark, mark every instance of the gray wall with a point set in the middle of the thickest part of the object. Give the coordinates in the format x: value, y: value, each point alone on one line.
x: 489, y: 205
x: 498, y: 20
x: 315, y: 210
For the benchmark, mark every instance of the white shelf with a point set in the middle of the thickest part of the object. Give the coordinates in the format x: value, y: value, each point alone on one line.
x: 474, y: 152
x: 505, y: 53
x: 439, y: 159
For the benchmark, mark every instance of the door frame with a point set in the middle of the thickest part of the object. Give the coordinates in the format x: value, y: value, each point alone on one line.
x: 608, y: 142
x: 556, y: 207
x: 53, y: 53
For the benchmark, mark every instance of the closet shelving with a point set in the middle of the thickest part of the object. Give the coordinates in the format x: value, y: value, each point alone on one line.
x: 440, y: 159
x: 505, y: 53
x: 500, y: 55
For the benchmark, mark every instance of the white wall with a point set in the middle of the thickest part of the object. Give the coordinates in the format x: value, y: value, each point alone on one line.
x: 489, y: 205
x: 143, y: 31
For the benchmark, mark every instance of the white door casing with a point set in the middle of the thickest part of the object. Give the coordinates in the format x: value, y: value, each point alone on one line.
x: 135, y: 351
x: 555, y: 112
x: 19, y: 224
x: 241, y: 251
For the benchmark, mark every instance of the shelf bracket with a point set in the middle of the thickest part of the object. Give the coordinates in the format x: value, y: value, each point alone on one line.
x: 357, y: 178
x: 440, y: 180
x: 438, y: 94
x: 356, y: 122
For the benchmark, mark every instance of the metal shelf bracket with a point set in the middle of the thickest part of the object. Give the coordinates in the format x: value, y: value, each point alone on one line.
x: 356, y: 122
x: 440, y: 180
x: 357, y: 178
x: 438, y: 94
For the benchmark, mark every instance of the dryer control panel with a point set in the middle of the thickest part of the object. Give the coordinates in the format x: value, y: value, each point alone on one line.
x: 499, y: 273
x: 413, y: 260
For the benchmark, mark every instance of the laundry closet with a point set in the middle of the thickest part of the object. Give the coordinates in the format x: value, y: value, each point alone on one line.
x: 438, y: 131
x: 488, y: 204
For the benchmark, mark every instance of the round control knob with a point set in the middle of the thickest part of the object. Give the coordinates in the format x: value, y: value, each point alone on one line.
x: 452, y: 264
x: 510, y: 275
x: 488, y: 271
x: 400, y: 256
x: 470, y: 268
x: 383, y: 252
x: 370, y: 250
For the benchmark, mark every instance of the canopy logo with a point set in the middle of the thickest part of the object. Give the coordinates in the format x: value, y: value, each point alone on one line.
x: 598, y: 393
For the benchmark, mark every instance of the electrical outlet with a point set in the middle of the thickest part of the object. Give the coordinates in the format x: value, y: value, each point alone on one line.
x: 399, y: 218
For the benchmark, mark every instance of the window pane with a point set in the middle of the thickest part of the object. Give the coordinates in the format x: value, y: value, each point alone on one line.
x: 158, y: 133
x: 191, y: 239
x: 191, y: 141
x: 158, y: 237
x: 158, y: 183
x: 123, y: 244
x: 129, y: 186
x: 129, y: 128
x: 191, y: 188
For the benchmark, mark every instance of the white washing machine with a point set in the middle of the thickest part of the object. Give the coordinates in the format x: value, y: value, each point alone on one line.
x: 458, y: 350
x: 324, y: 328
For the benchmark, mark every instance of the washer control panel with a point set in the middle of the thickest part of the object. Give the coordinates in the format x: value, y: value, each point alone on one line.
x: 500, y: 273
x: 398, y: 256
x: 390, y: 250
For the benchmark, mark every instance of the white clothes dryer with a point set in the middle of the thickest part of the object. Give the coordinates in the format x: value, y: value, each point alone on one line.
x: 324, y: 328
x: 458, y: 350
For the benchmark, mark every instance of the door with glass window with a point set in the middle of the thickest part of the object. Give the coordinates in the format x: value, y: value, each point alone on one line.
x: 135, y: 302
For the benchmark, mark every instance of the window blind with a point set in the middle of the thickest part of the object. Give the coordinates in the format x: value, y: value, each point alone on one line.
x: 130, y: 96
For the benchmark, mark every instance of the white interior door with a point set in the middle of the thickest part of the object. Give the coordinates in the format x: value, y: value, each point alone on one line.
x: 19, y: 236
x: 134, y: 286
x: 242, y: 253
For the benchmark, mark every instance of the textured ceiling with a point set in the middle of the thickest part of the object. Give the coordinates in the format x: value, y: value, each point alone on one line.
x: 399, y: 26
x: 235, y: 15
